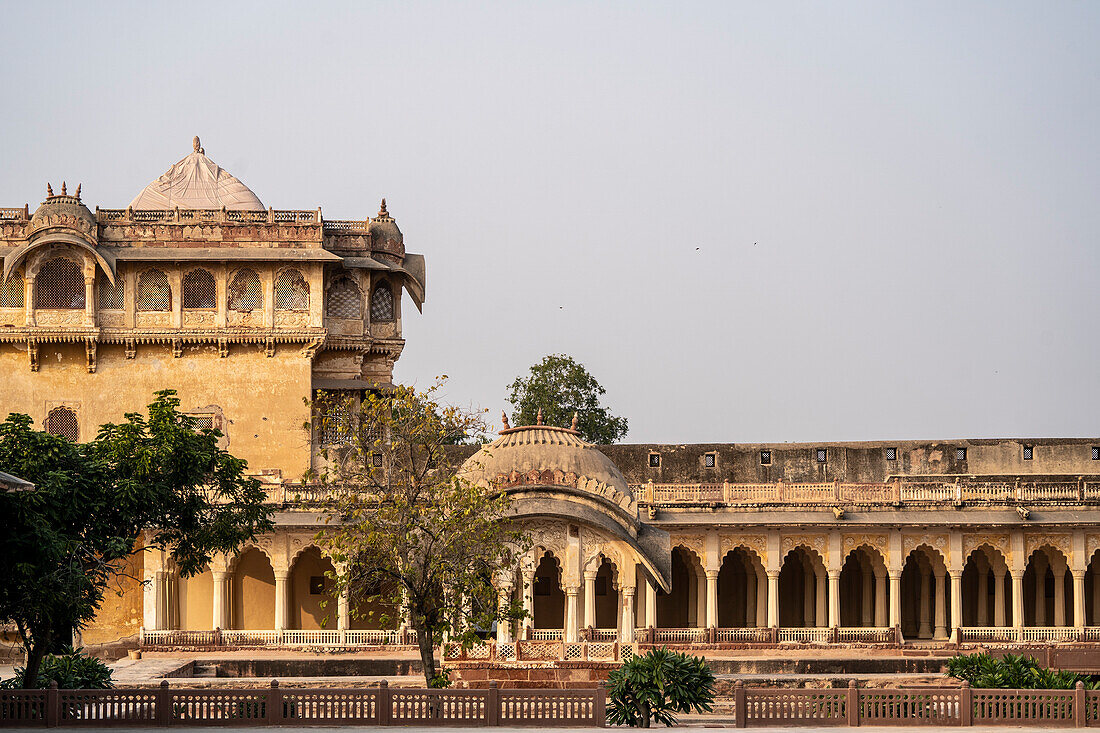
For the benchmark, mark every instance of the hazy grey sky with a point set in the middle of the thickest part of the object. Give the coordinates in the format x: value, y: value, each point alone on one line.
x: 766, y: 221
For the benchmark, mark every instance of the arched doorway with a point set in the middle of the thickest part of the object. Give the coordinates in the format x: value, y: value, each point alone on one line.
x: 196, y: 601
x: 1092, y: 591
x: 549, y: 598
x: 742, y: 590
x: 683, y: 606
x: 863, y: 592
x: 925, y: 589
x: 607, y: 597
x: 253, y: 591
x: 802, y: 590
x: 986, y: 589
x: 310, y: 584
x: 1048, y: 589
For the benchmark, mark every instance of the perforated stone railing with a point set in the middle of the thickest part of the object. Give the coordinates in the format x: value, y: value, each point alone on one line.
x: 806, y: 634
x: 188, y: 216
x: 917, y: 490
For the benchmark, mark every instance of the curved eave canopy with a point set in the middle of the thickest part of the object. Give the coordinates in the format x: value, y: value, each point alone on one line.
x: 16, y: 257
x: 412, y: 267
x: 652, y: 545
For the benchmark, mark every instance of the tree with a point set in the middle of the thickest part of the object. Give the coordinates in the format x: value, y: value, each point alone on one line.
x: 405, y: 529
x: 560, y: 386
x: 650, y: 688
x: 63, y: 543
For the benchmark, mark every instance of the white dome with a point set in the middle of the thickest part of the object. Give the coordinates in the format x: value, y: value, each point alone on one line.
x: 196, y: 182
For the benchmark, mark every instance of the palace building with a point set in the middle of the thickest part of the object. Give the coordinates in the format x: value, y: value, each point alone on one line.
x: 248, y: 311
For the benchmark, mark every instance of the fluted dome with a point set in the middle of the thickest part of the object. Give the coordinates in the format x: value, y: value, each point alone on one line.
x: 63, y: 212
x: 556, y: 455
x: 385, y: 236
x: 196, y: 182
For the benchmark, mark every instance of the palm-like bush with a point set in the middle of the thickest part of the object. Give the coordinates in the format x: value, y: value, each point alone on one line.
x: 653, y: 686
x: 72, y: 670
x: 1013, y: 672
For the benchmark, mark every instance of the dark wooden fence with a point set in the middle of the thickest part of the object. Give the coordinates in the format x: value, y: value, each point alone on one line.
x: 277, y: 706
x: 933, y: 706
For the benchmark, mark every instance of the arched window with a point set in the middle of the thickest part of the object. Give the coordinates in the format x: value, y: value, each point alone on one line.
x: 111, y: 297
x: 62, y: 421
x: 60, y: 284
x: 153, y: 292
x: 11, y: 294
x: 291, y: 291
x: 199, y: 290
x: 345, y: 299
x: 381, y: 303
x: 244, y: 291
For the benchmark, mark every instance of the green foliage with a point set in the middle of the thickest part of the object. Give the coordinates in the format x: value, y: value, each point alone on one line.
x: 650, y: 688
x: 72, y: 669
x: 152, y: 478
x: 441, y: 680
x: 405, y: 530
x: 1013, y: 672
x: 560, y: 387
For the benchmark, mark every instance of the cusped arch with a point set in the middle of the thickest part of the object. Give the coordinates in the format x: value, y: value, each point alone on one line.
x: 878, y: 562
x: 815, y: 558
x: 105, y: 261
x: 992, y: 555
x: 1055, y: 558
x: 925, y: 554
x: 232, y: 562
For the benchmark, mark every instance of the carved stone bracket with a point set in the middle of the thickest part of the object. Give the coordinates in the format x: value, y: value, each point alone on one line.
x: 90, y: 356
x: 269, y: 346
x: 32, y: 352
x: 177, y: 348
x: 223, y: 348
x: 131, y: 348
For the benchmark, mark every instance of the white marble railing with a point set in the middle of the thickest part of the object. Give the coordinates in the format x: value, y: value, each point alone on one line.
x: 865, y: 634
x: 743, y: 635
x: 1051, y: 633
x: 990, y: 633
x: 544, y: 635
x: 271, y: 637
x: 679, y: 636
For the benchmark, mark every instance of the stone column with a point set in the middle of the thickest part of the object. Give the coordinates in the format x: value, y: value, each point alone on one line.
x: 700, y: 600
x: 940, y: 631
x: 983, y: 598
x: 807, y: 597
x: 504, y: 627
x: 999, y: 599
x: 712, y: 599
x: 762, y: 600
x: 1059, y: 596
x: 834, y: 598
x: 343, y: 612
x: 28, y: 299
x: 1018, y: 599
x: 956, y: 602
x: 880, y: 599
x: 570, y: 631
x: 867, y: 600
x: 773, y: 599
x: 925, y: 629
x: 589, y: 599
x: 626, y: 633
x: 282, y: 602
x: 1096, y: 595
x: 220, y: 617
x: 160, y: 582
x: 528, y: 602
x: 1079, y: 598
x: 895, y: 599
x: 650, y: 603
x: 750, y: 598
x: 820, y: 616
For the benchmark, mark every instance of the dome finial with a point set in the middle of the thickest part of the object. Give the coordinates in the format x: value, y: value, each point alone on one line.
x: 573, y: 424
x: 382, y: 211
x: 538, y: 420
x: 49, y: 191
x: 504, y: 419
x: 78, y: 191
x: 63, y: 192
x: 198, y: 146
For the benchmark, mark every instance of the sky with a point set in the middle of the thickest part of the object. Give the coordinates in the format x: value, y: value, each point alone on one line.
x: 795, y: 221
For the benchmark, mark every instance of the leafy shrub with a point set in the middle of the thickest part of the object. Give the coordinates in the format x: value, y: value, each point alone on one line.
x: 72, y: 669
x: 653, y: 686
x: 441, y: 679
x: 1013, y: 672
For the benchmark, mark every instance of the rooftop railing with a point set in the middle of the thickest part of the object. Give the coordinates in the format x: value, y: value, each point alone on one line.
x: 918, y: 490
x: 214, y: 216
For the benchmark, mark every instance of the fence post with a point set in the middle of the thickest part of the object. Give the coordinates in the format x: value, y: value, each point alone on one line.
x: 274, y: 704
x: 599, y: 709
x: 1079, y: 705
x: 853, y: 704
x: 53, y: 705
x: 492, y: 704
x: 164, y: 704
x: 966, y: 705
x: 739, y: 704
x: 385, y: 704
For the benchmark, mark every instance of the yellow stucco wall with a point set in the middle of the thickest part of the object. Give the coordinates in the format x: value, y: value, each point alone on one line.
x: 120, y: 615
x: 262, y: 398
x: 196, y: 601
x: 305, y: 608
